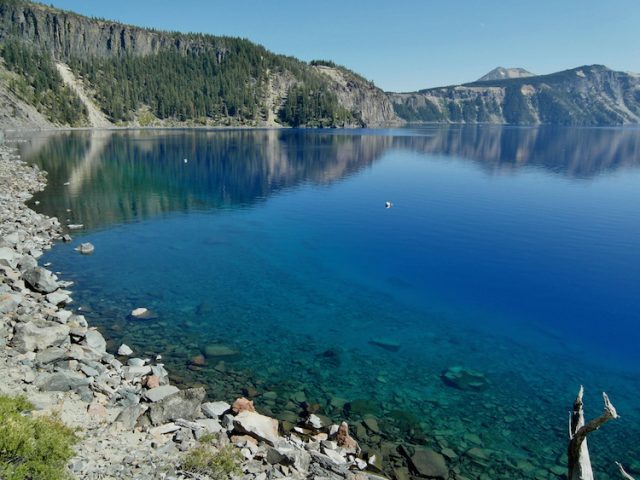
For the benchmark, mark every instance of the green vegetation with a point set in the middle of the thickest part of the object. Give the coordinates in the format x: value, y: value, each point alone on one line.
x: 32, y: 448
x: 37, y: 82
x: 206, y: 459
x: 311, y: 104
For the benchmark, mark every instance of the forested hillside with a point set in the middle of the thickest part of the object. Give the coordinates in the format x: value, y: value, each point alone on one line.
x: 144, y: 77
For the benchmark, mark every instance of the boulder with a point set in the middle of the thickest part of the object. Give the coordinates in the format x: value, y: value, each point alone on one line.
x: 287, y: 454
x: 85, y: 248
x: 29, y: 337
x: 464, y: 379
x: 215, y: 409
x: 40, y: 280
x: 129, y: 415
x: 210, y: 425
x: 125, y: 350
x: 430, y: 464
x: 185, y: 405
x: 61, y: 381
x: 243, y: 405
x: 56, y: 298
x: 94, y: 339
x: 157, y: 394
x: 27, y: 262
x: 8, y: 256
x: 258, y: 426
x: 344, y: 440
x: 9, y: 302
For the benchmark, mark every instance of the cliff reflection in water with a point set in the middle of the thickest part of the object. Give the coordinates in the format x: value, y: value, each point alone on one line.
x: 116, y: 177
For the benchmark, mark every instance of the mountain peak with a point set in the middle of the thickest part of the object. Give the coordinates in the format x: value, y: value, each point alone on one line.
x: 501, y: 73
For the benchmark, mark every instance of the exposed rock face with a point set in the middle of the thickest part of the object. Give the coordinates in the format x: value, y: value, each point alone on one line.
x: 588, y: 95
x: 29, y: 337
x: 66, y: 34
x: 501, y: 73
x: 360, y: 96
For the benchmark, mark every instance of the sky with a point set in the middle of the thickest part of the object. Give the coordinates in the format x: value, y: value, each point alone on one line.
x: 407, y: 45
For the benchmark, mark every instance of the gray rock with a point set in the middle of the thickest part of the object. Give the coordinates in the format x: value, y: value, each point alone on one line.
x: 51, y: 355
x: 287, y: 454
x: 29, y: 337
x: 9, y: 302
x: 135, y: 362
x: 8, y: 256
x: 258, y: 426
x: 131, y: 373
x: 27, y: 262
x: 61, y: 381
x: 56, y: 298
x: 40, y: 280
x: 89, y: 371
x: 124, y: 350
x: 159, y: 393
x: 210, y: 425
x: 62, y: 316
x: 94, y: 339
x: 464, y: 378
x: 184, y: 404
x: 215, y: 409
x: 129, y: 415
x: 430, y: 464
x: 85, y: 248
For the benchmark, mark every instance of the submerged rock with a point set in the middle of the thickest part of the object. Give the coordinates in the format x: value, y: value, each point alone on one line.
x: 464, y: 379
x: 85, y: 248
x: 385, y: 344
x: 219, y: 350
x: 430, y: 464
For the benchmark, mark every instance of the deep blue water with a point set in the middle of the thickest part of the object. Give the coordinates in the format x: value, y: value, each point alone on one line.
x: 514, y: 252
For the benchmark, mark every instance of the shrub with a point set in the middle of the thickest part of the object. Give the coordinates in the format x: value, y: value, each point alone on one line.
x: 206, y: 459
x: 32, y: 448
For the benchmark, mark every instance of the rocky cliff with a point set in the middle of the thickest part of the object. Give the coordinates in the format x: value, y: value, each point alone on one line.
x: 501, y: 73
x: 588, y: 95
x: 357, y: 94
x: 251, y: 85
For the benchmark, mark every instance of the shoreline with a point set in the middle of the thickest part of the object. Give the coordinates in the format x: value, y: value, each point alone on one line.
x: 134, y: 423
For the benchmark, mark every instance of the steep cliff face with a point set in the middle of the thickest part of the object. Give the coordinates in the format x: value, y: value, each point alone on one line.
x: 239, y: 83
x: 67, y: 34
x: 356, y: 94
x: 588, y: 95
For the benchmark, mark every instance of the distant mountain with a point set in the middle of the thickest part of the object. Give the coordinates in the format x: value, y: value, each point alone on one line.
x: 588, y: 95
x: 82, y: 71
x: 501, y: 73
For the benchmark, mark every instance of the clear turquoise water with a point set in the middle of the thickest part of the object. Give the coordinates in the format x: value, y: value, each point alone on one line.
x: 512, y: 252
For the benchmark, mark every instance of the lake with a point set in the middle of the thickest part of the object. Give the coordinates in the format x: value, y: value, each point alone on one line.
x: 464, y: 317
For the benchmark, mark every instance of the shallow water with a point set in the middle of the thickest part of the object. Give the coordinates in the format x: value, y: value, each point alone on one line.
x: 509, y: 251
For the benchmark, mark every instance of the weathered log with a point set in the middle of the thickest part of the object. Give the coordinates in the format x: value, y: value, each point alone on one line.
x: 578, y: 452
x: 624, y: 474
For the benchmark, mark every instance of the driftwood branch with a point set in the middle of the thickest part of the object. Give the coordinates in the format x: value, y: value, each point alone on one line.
x: 624, y: 474
x: 578, y: 452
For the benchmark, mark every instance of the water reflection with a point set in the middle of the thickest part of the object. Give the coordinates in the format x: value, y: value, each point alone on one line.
x: 99, y: 178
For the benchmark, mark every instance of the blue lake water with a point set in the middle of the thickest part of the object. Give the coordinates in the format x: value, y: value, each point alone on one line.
x: 512, y: 252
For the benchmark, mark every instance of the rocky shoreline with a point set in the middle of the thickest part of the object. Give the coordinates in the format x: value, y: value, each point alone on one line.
x: 131, y: 421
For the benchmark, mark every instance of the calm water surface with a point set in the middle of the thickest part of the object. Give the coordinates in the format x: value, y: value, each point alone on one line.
x: 511, y: 252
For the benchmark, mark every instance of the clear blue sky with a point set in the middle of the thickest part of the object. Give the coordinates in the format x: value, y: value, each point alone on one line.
x: 406, y: 45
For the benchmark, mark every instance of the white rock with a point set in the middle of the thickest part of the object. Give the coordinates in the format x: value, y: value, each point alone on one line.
x: 138, y: 312
x: 258, y: 426
x: 125, y: 350
x: 215, y: 409
x: 210, y: 425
